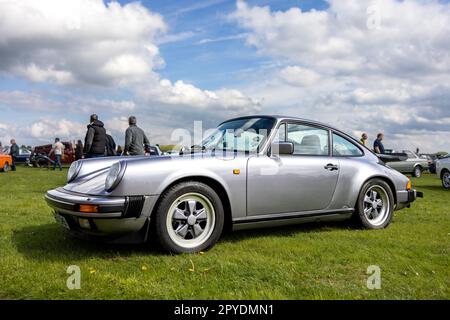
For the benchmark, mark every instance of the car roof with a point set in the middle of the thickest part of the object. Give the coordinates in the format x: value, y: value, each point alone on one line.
x: 279, y: 118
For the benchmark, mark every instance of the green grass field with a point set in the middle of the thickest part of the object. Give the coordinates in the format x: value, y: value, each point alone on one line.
x: 314, y: 261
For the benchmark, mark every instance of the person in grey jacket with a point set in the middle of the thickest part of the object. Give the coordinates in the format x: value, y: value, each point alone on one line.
x: 136, y: 142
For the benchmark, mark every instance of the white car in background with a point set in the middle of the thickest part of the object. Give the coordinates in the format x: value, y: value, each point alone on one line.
x: 443, y: 171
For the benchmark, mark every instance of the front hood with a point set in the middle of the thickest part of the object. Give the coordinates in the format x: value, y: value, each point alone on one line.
x: 92, y: 176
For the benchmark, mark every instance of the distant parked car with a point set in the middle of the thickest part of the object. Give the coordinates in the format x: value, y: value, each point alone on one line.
x: 443, y: 171
x: 5, y: 162
x: 40, y: 160
x: 412, y: 165
x: 432, y: 158
x: 69, y: 152
x: 24, y: 155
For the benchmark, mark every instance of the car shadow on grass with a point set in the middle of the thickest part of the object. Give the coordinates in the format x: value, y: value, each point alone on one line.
x: 288, y: 231
x: 49, y: 243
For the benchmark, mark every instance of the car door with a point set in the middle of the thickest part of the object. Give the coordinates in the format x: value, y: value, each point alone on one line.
x: 303, y: 181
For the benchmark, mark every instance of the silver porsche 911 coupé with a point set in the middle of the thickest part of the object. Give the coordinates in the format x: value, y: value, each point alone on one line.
x: 257, y: 171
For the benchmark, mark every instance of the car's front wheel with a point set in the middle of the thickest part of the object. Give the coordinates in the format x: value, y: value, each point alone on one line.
x: 375, y: 205
x: 417, y: 172
x: 446, y: 179
x: 189, y: 218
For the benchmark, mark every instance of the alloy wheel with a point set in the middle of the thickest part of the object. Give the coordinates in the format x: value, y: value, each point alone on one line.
x: 376, y: 205
x: 190, y: 220
x: 446, y: 180
x: 417, y: 172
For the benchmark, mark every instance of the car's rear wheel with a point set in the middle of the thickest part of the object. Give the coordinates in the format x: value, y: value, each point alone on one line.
x: 6, y: 167
x: 446, y: 179
x: 417, y: 172
x: 375, y: 205
x: 189, y: 218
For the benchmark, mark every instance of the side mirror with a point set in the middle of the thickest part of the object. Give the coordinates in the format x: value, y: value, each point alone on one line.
x: 280, y: 148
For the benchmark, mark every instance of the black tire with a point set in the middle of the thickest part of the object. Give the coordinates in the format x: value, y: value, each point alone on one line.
x: 164, y: 235
x: 417, y: 172
x: 5, y: 167
x: 362, y: 217
x: 445, y: 184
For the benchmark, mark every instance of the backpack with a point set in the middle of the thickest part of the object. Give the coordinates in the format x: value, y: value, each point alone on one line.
x: 110, y: 146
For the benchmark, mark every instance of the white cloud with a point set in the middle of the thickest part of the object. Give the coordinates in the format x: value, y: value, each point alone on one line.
x: 86, y: 41
x: 185, y: 94
x: 299, y: 76
x: 102, y: 48
x: 46, y: 101
x: 48, y: 129
x: 392, y: 78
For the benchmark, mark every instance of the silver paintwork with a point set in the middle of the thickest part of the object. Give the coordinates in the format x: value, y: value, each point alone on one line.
x: 443, y: 171
x: 268, y: 189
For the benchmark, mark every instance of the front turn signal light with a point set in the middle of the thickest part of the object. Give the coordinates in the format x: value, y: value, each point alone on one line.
x: 88, y: 208
x: 409, y: 185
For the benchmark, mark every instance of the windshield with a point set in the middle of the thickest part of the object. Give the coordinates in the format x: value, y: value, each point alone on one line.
x: 247, y: 135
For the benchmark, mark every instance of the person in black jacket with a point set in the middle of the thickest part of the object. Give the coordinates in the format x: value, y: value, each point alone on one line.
x: 110, y: 146
x: 95, y: 141
x: 14, y: 153
x: 79, y: 150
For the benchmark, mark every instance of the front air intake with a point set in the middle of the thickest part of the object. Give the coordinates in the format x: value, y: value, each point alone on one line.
x: 133, y: 207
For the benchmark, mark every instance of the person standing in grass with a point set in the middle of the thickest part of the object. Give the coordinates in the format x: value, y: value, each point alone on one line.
x: 14, y: 153
x: 79, y: 150
x: 136, y: 142
x: 364, y: 138
x: 378, y: 145
x: 58, y: 150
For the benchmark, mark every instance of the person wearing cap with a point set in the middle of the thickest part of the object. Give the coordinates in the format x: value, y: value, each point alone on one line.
x: 95, y: 140
x: 136, y: 142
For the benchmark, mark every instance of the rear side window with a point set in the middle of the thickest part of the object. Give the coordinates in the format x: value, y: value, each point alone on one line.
x: 344, y: 148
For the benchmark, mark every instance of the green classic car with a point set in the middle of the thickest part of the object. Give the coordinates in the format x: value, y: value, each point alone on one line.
x: 413, y: 164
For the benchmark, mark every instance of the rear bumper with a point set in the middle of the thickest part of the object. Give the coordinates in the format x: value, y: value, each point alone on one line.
x: 117, y: 217
x: 405, y: 198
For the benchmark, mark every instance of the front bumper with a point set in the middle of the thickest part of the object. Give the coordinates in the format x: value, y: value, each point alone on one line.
x: 116, y: 217
x: 406, y: 197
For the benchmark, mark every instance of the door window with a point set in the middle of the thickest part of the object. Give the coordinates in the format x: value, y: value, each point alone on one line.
x: 308, y: 140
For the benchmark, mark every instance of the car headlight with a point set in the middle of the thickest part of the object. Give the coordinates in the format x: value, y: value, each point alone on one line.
x: 114, y: 176
x: 74, y: 170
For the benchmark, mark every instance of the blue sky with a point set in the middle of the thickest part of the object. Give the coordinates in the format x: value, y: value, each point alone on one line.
x: 363, y: 66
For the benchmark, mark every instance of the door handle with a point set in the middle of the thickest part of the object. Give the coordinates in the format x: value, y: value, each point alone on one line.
x: 331, y: 167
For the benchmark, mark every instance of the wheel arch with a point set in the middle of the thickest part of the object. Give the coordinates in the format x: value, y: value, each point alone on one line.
x: 215, y: 185
x: 388, y: 181
x: 443, y: 171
